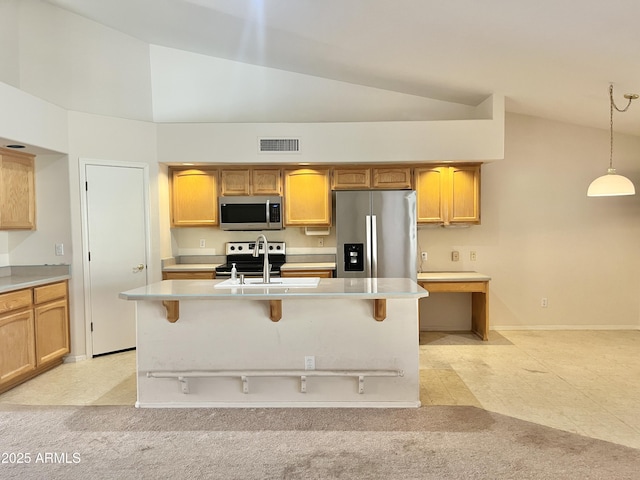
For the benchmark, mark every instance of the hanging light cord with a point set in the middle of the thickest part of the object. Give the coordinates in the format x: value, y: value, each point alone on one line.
x: 629, y: 96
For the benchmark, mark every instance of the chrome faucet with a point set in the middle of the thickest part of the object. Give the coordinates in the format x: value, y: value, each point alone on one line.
x: 266, y: 268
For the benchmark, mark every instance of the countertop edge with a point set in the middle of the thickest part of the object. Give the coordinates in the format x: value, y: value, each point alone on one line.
x: 30, y: 283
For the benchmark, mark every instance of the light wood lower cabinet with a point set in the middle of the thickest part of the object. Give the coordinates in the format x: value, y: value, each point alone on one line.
x: 307, y: 273
x: 34, y: 332
x: 189, y: 275
x: 52, y: 331
x: 17, y: 346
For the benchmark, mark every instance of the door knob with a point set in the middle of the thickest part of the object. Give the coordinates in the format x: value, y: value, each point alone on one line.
x: 139, y: 268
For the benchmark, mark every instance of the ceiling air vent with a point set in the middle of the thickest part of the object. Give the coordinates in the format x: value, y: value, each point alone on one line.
x: 280, y: 145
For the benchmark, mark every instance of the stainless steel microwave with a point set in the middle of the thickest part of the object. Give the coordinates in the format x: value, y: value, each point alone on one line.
x: 250, y: 213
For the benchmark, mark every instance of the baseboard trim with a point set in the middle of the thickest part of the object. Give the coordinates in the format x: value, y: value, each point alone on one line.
x: 74, y: 358
x: 565, y: 327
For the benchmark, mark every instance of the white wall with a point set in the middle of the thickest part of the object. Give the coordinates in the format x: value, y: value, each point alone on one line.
x: 195, y: 88
x: 29, y: 120
x: 9, y: 56
x: 81, y: 65
x: 111, y: 139
x: 541, y: 236
x: 349, y: 142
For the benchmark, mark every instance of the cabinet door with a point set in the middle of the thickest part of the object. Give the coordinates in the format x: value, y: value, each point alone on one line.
x: 17, y: 346
x: 392, y: 178
x: 464, y: 194
x: 266, y: 181
x: 17, y: 191
x: 430, y: 186
x: 52, y: 331
x: 194, y: 198
x: 307, y: 197
x: 351, y: 178
x: 234, y: 182
x: 307, y: 273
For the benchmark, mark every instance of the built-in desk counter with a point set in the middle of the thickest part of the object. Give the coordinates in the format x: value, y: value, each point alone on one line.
x: 457, y: 282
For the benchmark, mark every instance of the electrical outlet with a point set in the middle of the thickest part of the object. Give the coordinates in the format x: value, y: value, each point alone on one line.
x: 472, y: 255
x: 202, y: 243
x: 310, y: 362
x: 544, y: 303
x: 59, y: 249
x: 423, y: 255
x: 455, y: 256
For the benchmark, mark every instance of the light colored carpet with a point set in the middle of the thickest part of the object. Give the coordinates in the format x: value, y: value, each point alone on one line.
x: 439, y: 442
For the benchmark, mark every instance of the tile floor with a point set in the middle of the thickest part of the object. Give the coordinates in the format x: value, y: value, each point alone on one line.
x: 586, y: 382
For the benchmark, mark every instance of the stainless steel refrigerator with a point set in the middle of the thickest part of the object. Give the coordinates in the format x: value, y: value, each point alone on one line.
x: 376, y: 234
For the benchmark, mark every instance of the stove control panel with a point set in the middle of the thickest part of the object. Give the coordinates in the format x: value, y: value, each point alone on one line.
x: 246, y: 248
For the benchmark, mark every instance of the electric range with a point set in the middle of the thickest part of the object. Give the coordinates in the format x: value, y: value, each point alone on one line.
x: 241, y: 253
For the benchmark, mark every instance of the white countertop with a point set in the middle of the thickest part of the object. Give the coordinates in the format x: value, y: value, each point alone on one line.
x: 357, y: 288
x: 309, y: 266
x: 18, y: 282
x: 453, y: 277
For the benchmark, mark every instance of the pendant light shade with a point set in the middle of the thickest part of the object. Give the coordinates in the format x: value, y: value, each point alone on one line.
x: 612, y: 184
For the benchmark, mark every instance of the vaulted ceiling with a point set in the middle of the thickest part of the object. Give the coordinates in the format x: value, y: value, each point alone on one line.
x: 549, y: 58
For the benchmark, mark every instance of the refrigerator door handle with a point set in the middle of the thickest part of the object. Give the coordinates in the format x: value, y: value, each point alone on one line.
x: 367, y: 258
x: 374, y: 246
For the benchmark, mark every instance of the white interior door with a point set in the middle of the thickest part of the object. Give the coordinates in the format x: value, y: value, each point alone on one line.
x: 117, y: 243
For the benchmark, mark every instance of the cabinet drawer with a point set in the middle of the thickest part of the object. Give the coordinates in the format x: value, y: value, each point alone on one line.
x: 50, y: 292
x: 189, y: 275
x: 15, y: 300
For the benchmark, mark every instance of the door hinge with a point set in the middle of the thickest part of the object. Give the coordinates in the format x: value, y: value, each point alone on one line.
x: 92, y: 326
x: 89, y: 256
x: 86, y: 186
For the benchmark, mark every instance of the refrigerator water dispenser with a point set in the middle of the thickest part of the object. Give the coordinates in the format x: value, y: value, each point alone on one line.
x: 354, y: 257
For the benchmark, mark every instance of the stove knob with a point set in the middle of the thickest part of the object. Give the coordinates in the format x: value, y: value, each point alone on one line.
x: 232, y: 248
x: 240, y: 247
x: 270, y: 247
x: 279, y: 247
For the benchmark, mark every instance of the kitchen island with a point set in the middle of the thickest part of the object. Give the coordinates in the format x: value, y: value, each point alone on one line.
x: 344, y: 343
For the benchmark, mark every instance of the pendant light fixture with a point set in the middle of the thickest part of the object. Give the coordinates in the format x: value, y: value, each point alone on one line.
x: 612, y: 184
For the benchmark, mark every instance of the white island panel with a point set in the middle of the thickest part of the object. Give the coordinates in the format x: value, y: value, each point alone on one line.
x: 236, y: 336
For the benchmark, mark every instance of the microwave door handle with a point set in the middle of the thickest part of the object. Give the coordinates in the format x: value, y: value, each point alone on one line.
x: 268, y: 215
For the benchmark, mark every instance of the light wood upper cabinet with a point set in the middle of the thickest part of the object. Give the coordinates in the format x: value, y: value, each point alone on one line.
x: 398, y: 178
x: 464, y: 198
x: 351, y: 179
x: 307, y: 200
x: 266, y: 181
x: 194, y: 198
x: 430, y: 183
x: 234, y: 182
x: 17, y: 191
x: 365, y: 178
x: 254, y: 181
x: 448, y: 194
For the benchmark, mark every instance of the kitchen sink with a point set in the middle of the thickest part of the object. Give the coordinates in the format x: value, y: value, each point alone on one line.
x: 286, y: 282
